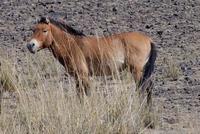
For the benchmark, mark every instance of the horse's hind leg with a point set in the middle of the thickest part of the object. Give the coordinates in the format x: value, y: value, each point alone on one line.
x: 149, y: 120
x: 141, y: 88
x: 137, y: 74
x: 149, y: 93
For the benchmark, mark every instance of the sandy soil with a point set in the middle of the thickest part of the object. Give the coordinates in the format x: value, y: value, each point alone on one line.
x: 174, y: 26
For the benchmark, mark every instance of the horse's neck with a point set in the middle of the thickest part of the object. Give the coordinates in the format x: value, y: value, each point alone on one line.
x: 62, y: 42
x: 64, y: 45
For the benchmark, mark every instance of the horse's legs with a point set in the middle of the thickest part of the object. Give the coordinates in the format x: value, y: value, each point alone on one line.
x: 137, y: 74
x: 149, y: 93
x: 149, y: 122
x: 147, y: 86
x: 86, y: 85
x: 82, y: 86
x: 79, y: 89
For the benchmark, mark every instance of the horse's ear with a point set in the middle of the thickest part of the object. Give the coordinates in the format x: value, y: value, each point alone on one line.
x: 44, y: 20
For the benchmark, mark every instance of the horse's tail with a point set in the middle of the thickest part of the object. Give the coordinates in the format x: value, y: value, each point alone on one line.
x: 149, y: 67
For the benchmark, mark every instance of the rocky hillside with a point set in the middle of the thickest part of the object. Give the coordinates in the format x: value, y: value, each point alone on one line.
x: 174, y: 25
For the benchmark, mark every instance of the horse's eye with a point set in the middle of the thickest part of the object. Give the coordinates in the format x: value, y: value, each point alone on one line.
x: 45, y: 31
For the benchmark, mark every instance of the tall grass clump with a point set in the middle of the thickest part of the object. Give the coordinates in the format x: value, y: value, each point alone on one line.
x: 172, y: 70
x: 47, y: 102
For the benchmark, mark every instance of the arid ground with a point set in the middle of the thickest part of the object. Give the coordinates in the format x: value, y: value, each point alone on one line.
x: 174, y: 26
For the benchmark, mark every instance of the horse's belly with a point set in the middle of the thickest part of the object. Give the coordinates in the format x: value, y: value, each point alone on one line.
x: 108, y: 59
x: 117, y: 57
x: 117, y: 60
x: 105, y: 69
x: 108, y: 66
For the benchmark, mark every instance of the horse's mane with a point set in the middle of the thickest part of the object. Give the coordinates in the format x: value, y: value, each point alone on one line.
x: 65, y: 27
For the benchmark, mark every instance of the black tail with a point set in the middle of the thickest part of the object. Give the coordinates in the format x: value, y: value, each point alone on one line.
x: 149, y: 67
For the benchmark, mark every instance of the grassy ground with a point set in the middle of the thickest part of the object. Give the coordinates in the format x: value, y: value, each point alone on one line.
x: 43, y: 103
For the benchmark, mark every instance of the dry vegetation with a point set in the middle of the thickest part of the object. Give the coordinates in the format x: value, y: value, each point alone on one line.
x: 38, y: 98
x: 172, y: 70
x: 46, y: 103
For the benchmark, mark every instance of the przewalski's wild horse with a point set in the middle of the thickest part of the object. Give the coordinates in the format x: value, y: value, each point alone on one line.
x: 83, y: 56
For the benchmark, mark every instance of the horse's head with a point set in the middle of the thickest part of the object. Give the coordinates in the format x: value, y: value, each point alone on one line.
x: 42, y: 37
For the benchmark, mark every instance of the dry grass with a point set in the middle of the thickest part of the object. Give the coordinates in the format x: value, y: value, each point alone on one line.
x: 172, y: 70
x: 7, y: 76
x: 48, y: 104
x: 45, y: 102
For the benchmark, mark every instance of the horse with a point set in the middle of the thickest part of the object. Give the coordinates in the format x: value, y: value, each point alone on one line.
x: 84, y: 56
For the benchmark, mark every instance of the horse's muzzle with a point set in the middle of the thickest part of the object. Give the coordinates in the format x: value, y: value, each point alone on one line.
x: 31, y: 47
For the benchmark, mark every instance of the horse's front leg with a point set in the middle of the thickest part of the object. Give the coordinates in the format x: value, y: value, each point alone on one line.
x: 79, y: 89
x: 87, y: 86
x: 83, y: 86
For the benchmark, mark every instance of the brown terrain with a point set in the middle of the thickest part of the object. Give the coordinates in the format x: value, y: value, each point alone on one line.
x: 174, y: 26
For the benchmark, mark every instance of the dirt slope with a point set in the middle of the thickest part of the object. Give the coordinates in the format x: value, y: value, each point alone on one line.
x: 174, y: 26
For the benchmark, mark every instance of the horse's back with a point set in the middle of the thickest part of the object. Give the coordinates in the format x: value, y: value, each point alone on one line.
x: 135, y: 43
x: 136, y: 39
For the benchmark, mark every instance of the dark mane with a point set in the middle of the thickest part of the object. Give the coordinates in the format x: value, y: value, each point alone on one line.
x: 62, y: 25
